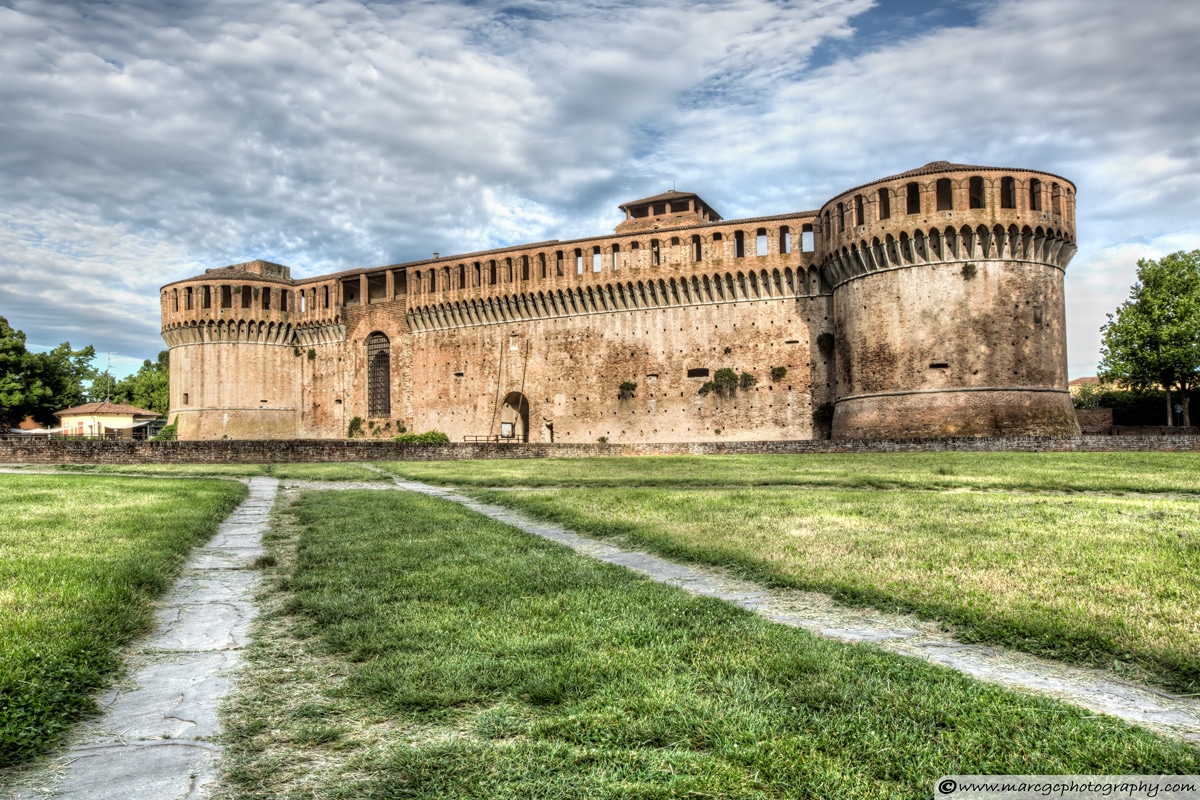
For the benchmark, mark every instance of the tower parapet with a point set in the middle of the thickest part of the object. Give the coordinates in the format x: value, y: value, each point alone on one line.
x: 948, y: 302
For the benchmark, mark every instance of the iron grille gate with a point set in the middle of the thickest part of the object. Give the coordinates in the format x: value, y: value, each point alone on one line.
x: 379, y: 376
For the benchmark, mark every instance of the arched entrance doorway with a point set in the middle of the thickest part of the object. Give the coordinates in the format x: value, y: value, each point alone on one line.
x: 514, y: 418
x: 379, y: 376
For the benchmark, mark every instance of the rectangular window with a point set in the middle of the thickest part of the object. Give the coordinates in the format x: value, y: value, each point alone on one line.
x: 266, y: 297
x: 283, y: 299
x: 187, y: 299
x: 597, y: 264
x: 785, y: 240
x: 578, y: 261
x: 885, y: 204
x: 807, y: 239
x: 185, y: 398
x: 760, y: 243
x: 207, y: 298
x: 226, y: 297
x: 246, y: 297
x: 914, y: 198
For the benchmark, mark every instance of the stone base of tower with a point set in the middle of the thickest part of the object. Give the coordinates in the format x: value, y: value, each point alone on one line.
x: 994, y: 412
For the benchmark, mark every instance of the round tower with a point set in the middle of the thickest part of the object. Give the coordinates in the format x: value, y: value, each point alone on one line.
x: 948, y: 306
x: 233, y: 349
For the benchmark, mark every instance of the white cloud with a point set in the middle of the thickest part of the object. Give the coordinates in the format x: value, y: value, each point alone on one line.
x: 141, y: 142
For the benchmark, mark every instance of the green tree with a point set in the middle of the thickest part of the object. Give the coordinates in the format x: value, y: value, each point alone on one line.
x: 1154, y: 338
x: 149, y: 387
x: 38, y: 384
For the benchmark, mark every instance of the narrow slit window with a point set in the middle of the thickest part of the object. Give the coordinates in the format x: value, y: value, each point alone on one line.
x: 655, y: 253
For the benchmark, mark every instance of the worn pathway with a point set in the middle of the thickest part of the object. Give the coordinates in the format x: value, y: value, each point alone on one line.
x: 1096, y: 690
x: 153, y: 740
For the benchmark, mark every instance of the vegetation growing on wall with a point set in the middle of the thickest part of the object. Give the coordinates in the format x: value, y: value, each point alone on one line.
x: 627, y: 389
x: 355, y: 428
x: 778, y: 374
x: 428, y: 437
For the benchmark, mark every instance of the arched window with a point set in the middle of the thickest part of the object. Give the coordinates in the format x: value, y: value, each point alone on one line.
x: 327, y: 296
x: 1055, y: 199
x: 739, y: 244
x: 807, y: 238
x: 976, y: 192
x: 508, y: 270
x: 1008, y: 192
x: 945, y: 197
x: 175, y: 299
x: 885, y: 204
x: 542, y: 266
x: 760, y: 242
x: 462, y: 276
x: 478, y: 274
x: 859, y: 216
x: 597, y: 263
x: 524, y: 268
x: 913, y: 191
x: 578, y: 261
x: 1035, y: 195
x: 492, y: 272
x: 433, y: 280
x: 247, y: 294
x: 785, y: 240
x: 696, y: 247
x: 616, y: 256
x: 558, y: 263
x: 841, y: 217
x: 655, y: 253
x: 379, y: 376
x: 206, y: 298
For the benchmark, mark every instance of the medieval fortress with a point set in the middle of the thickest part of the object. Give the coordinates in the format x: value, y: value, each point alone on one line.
x: 925, y: 304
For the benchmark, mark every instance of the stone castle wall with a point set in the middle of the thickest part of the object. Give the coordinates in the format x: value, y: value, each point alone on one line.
x: 134, y: 453
x: 940, y: 289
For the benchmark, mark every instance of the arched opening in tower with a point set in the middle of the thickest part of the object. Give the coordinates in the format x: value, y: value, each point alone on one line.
x: 379, y: 376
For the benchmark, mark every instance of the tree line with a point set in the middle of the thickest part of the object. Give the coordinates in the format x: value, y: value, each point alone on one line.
x: 39, y: 384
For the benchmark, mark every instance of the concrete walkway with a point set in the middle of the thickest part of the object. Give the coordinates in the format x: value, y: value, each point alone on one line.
x: 1097, y: 690
x: 152, y: 740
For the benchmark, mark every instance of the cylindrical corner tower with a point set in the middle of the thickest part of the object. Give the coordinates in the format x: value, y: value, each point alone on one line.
x: 949, y: 317
x: 233, y: 353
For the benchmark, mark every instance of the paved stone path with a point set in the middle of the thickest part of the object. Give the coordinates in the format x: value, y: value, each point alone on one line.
x: 152, y: 740
x: 1096, y: 690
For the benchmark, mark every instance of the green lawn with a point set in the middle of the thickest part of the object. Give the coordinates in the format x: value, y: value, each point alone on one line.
x: 1088, y: 579
x: 990, y: 543
x: 81, y: 559
x: 419, y: 650
x: 307, y: 472
x: 1104, y: 472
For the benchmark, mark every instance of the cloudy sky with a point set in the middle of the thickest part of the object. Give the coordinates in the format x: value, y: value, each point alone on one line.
x: 142, y: 141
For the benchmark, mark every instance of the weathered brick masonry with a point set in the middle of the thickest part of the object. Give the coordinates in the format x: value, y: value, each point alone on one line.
x: 927, y: 304
x: 87, y: 451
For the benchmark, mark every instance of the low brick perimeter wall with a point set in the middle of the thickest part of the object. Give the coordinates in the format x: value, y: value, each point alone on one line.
x: 306, y: 451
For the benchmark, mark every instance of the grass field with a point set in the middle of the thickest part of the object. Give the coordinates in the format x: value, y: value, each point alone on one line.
x: 990, y: 544
x: 307, y: 472
x: 1092, y: 472
x: 419, y: 650
x: 81, y: 559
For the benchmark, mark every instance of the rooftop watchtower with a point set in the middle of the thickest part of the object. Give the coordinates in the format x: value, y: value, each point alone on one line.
x: 670, y: 209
